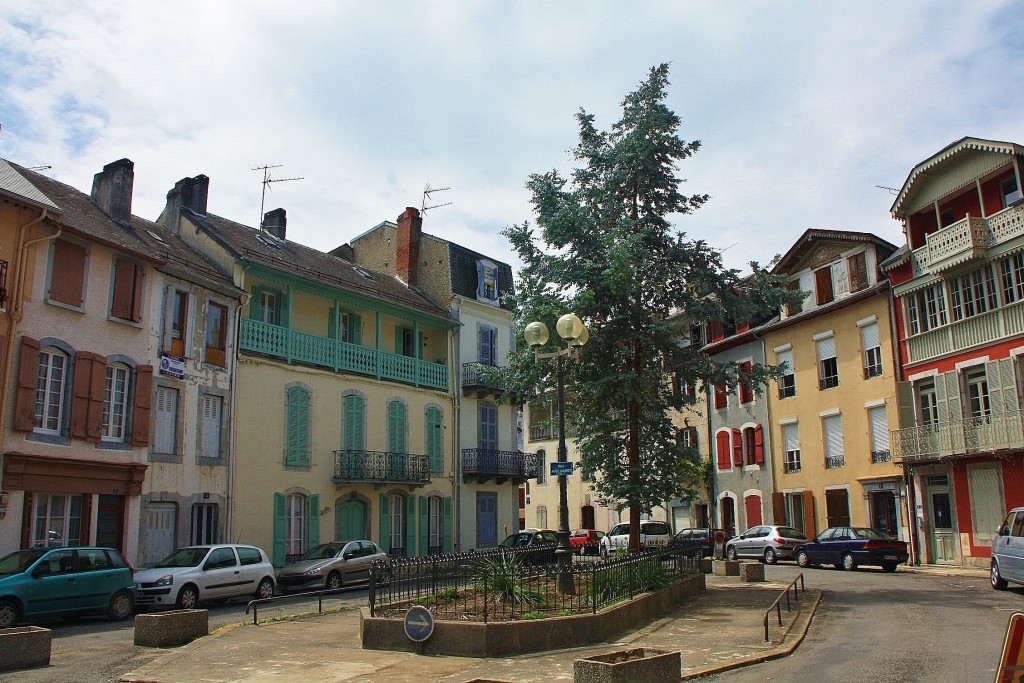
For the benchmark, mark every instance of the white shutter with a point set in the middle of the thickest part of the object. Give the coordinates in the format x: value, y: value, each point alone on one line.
x: 787, y: 358
x: 826, y: 348
x: 995, y: 388
x: 1010, y: 398
x: 166, y: 420
x: 879, y: 429
x: 834, y: 436
x: 209, y: 415
x: 791, y: 436
x: 869, y: 334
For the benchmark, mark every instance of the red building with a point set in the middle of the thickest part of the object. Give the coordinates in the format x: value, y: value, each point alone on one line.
x: 958, y: 304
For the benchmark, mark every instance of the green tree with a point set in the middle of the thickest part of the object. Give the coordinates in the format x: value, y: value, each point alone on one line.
x: 605, y: 248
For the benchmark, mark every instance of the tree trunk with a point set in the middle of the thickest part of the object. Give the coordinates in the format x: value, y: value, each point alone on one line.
x: 633, y: 457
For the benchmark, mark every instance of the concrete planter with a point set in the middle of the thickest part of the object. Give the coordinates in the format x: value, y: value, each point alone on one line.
x: 23, y: 647
x: 628, y: 666
x: 726, y: 568
x: 751, y: 571
x: 171, y: 629
x: 706, y: 565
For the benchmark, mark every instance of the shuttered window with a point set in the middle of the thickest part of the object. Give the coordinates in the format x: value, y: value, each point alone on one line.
x: 67, y: 273
x: 823, y: 285
x: 872, y: 350
x: 166, y: 420
x: 50, y: 390
x: 487, y: 434
x: 858, y: 270
x: 723, y: 449
x: 115, y: 403
x: 434, y: 439
x: 828, y: 368
x: 787, y: 383
x: 216, y: 333
x: 297, y: 427
x: 354, y: 438
x: 833, y: 426
x: 746, y: 389
x: 791, y: 442
x: 126, y: 302
x: 396, y: 427
x: 486, y: 337
x: 210, y: 409
x: 879, y: 431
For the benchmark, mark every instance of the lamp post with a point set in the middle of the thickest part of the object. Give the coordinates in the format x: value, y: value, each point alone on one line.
x: 571, y: 329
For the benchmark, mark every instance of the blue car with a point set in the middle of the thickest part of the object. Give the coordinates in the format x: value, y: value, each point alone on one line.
x: 64, y: 582
x: 849, y: 547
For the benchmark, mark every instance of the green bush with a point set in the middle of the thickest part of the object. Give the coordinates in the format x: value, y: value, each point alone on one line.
x: 501, y: 577
x: 628, y: 580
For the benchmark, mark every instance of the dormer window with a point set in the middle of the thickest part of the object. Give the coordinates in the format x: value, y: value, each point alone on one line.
x: 487, y: 281
x: 857, y: 266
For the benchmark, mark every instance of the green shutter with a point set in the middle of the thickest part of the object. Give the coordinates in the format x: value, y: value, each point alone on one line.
x: 280, y: 528
x: 297, y: 428
x: 254, y: 303
x: 447, y: 524
x: 385, y: 522
x: 281, y: 308
x: 314, y: 520
x: 399, y: 333
x: 396, y: 427
x: 332, y: 324
x: 355, y: 325
x: 410, y: 527
x: 424, y: 525
x: 353, y: 437
x: 434, y: 440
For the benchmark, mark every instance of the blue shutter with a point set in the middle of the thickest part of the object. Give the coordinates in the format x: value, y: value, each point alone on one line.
x: 314, y: 520
x: 385, y: 522
x: 280, y: 528
x: 479, y: 279
x: 487, y: 437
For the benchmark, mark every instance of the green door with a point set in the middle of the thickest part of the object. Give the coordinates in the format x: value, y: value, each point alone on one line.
x: 351, y: 524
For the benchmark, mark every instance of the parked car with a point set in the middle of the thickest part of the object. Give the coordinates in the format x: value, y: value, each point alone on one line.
x: 539, y: 545
x: 1008, y: 551
x: 198, y: 573
x: 330, y: 566
x: 586, y: 541
x: 703, y: 536
x: 769, y: 543
x: 849, y: 547
x: 66, y: 582
x: 652, y: 534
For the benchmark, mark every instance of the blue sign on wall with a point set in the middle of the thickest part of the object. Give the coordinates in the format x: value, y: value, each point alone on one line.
x: 419, y: 623
x: 558, y: 468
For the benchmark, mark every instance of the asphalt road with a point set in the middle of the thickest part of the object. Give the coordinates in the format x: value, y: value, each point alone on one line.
x: 894, y: 628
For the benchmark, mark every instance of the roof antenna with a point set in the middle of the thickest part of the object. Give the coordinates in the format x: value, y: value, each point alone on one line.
x: 427, y: 191
x: 266, y: 181
x: 892, y: 190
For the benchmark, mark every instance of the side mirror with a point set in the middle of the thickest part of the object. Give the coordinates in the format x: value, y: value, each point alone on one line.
x: 1002, y: 531
x: 349, y: 555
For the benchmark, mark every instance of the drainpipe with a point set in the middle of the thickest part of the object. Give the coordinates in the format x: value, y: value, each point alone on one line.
x: 233, y: 373
x: 456, y: 398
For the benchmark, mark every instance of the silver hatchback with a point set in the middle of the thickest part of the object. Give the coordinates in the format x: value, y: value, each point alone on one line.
x: 768, y: 543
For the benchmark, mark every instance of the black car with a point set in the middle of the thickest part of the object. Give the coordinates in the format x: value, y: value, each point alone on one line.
x: 848, y: 547
x: 535, y: 546
x: 703, y: 536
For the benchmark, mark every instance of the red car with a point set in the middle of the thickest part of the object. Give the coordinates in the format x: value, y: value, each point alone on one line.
x: 585, y: 541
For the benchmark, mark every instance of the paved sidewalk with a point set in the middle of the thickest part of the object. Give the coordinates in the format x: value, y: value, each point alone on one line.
x: 720, y: 629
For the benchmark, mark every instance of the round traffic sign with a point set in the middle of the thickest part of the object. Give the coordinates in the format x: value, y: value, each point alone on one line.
x: 419, y: 623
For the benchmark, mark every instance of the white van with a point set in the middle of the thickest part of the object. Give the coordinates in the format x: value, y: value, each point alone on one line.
x: 1008, y: 551
x: 651, y: 534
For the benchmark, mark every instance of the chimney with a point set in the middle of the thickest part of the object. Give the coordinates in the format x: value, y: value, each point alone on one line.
x: 112, y: 190
x: 274, y: 222
x: 190, y: 193
x: 408, y: 245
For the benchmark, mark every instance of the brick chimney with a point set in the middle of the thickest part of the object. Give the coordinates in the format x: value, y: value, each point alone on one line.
x: 274, y: 222
x: 408, y: 245
x: 112, y: 189
x: 190, y: 193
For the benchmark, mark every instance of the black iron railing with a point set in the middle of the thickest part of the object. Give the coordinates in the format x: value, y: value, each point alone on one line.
x: 381, y: 467
x: 486, y: 462
x: 482, y: 376
x: 881, y: 456
x: 834, y: 462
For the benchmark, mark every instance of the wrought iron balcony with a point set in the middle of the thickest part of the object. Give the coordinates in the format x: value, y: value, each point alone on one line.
x: 380, y: 467
x: 833, y: 462
x: 985, y: 434
x: 478, y: 380
x: 881, y: 456
x: 788, y: 467
x: 484, y: 464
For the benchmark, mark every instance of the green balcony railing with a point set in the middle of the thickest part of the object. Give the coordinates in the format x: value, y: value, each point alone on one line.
x: 280, y: 342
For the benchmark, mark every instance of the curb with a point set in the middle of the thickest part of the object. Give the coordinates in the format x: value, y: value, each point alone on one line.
x: 143, y: 675
x: 801, y: 623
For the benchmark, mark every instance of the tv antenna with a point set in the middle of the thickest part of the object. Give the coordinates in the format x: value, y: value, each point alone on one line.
x: 267, y: 179
x: 427, y: 191
x: 40, y: 168
x: 892, y: 190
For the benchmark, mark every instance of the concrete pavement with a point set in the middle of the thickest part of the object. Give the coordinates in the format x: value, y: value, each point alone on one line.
x: 721, y: 629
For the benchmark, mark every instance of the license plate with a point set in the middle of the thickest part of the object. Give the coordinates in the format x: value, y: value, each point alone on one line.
x: 891, y: 557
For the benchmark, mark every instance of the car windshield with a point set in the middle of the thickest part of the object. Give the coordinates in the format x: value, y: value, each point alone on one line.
x: 185, y: 557
x: 321, y: 552
x: 18, y: 561
x: 870, y: 534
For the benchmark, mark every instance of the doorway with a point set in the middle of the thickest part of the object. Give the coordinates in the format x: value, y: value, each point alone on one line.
x: 940, y: 510
x: 729, y: 515
x: 351, y: 520
x: 587, y: 516
x: 883, y: 512
x: 110, y: 522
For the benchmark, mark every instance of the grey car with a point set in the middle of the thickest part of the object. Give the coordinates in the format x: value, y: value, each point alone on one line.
x: 768, y: 543
x: 1008, y: 551
x: 330, y: 566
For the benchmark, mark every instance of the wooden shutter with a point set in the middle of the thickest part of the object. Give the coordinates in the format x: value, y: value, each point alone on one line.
x: 752, y: 507
x: 396, y: 427
x: 746, y: 390
x: 143, y: 404
x: 410, y: 527
x: 210, y: 408
x: 124, y: 288
x: 354, y: 440
x: 721, y: 396
x: 97, y: 389
x: 995, y: 388
x: 907, y: 409
x: 722, y: 448
x: 297, y: 427
x: 858, y: 272
x: 1011, y: 400
x: 810, y: 526
x: 487, y: 436
x: 80, y: 394
x: 385, y: 522
x: 25, y: 397
x: 737, y: 448
x: 779, y: 508
x: 952, y: 380
x: 434, y: 440
x: 424, y: 525
x: 447, y: 524
x: 758, y: 445
x: 823, y: 285
x: 138, y: 280
x: 280, y: 529
x: 166, y: 420
x: 314, y: 520
x: 67, y: 274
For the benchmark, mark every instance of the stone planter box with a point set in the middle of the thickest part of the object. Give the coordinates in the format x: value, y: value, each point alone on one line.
x: 752, y: 571
x: 726, y: 568
x: 171, y: 629
x: 705, y: 565
x: 23, y: 647
x: 629, y: 666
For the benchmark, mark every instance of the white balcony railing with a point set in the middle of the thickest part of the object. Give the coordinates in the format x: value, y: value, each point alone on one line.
x: 1006, y: 321
x: 959, y: 437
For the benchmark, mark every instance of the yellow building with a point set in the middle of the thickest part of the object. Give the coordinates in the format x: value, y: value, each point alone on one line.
x: 831, y: 414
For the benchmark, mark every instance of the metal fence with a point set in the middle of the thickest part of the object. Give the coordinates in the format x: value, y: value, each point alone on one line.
x: 508, y: 584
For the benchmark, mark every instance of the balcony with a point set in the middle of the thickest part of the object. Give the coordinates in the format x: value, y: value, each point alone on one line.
x: 878, y: 457
x: 483, y: 464
x: 969, y: 239
x: 991, y: 326
x: 478, y: 380
x: 986, y: 434
x: 834, y: 462
x: 339, y: 356
x: 379, y: 467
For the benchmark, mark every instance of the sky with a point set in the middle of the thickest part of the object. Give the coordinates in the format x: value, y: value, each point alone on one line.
x: 803, y: 109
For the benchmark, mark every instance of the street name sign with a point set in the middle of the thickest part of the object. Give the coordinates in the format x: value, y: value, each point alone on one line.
x: 559, y: 468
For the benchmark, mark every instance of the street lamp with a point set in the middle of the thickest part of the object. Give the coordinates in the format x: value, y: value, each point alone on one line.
x: 572, y: 330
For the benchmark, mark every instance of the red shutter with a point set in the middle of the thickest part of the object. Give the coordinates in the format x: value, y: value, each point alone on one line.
x: 97, y: 387
x: 80, y: 394
x: 717, y: 331
x: 138, y: 278
x: 67, y: 273
x: 823, y: 285
x: 25, y: 397
x: 143, y: 401
x: 721, y: 397
x: 737, y: 448
x: 758, y: 445
x: 753, y: 509
x: 121, y: 305
x: 746, y: 390
x: 722, y: 444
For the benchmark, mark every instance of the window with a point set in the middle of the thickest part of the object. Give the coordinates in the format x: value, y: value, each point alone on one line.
x: 879, y: 434
x: 857, y: 267
x: 50, y: 380
x: 435, y: 439
x: 296, y: 427
x: 1008, y: 190
x: 793, y: 309
x: 926, y: 309
x: 297, y: 524
x: 794, y: 508
x: 487, y: 428
x: 749, y: 446
x: 486, y: 338
x: 211, y: 409
x: 791, y: 440
x: 397, y: 536
x: 717, y: 331
x: 353, y: 438
x: 928, y: 409
x: 204, y: 524
x: 746, y: 389
x: 828, y: 368
x: 404, y: 345
x: 176, y: 322
x: 542, y: 466
x: 435, y: 517
x: 688, y: 437
x: 977, y: 392
x: 973, y: 293
x: 542, y: 517
x: 126, y: 302
x: 834, y: 457
x: 67, y: 273
x: 823, y: 285
x: 872, y: 350
x: 115, y: 403
x: 1011, y: 270
x: 487, y: 281
x: 787, y: 383
x: 165, y: 420
x: 396, y: 427
x: 216, y: 333
x: 57, y: 520
x: 721, y: 396
x: 345, y: 326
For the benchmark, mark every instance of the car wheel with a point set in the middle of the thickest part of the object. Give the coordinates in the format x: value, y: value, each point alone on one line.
x: 889, y: 567
x: 265, y: 589
x: 769, y: 556
x: 998, y: 582
x: 333, y: 581
x: 849, y: 564
x: 802, y: 559
x: 121, y: 606
x: 188, y: 597
x: 731, y: 553
x: 8, y: 613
